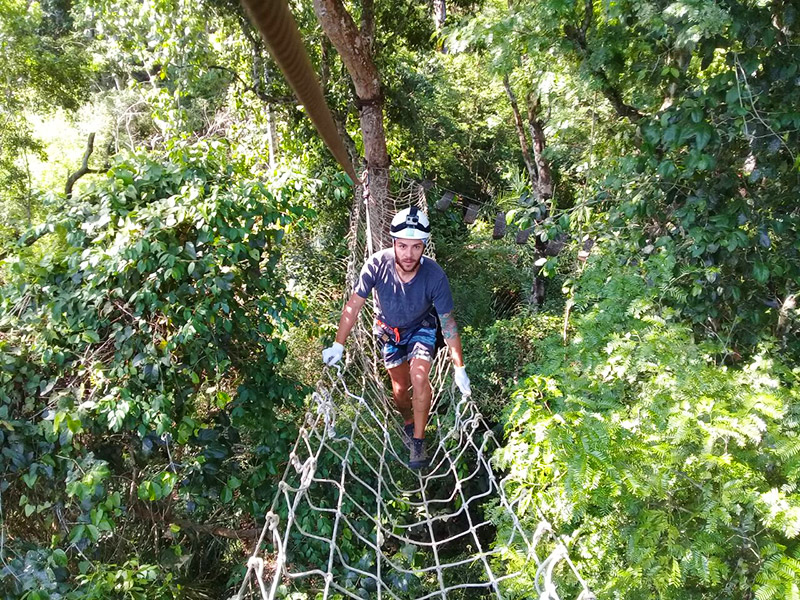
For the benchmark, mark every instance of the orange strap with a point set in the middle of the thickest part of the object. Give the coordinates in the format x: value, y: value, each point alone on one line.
x: 394, y: 330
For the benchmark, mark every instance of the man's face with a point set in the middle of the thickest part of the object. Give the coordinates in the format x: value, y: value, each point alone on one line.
x: 407, y: 254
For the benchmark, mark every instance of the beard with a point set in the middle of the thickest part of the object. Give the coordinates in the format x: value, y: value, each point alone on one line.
x: 407, y: 269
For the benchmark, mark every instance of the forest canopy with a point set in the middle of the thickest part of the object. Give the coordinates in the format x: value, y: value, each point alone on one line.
x: 172, y: 231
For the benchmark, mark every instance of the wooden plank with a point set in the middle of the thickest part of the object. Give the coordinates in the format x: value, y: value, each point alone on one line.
x: 444, y: 202
x: 472, y: 214
x: 523, y: 235
x: 499, y: 225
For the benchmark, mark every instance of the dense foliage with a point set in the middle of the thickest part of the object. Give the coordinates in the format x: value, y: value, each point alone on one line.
x: 139, y: 390
x: 684, y: 140
x: 44, y: 67
x: 165, y: 295
x: 674, y: 476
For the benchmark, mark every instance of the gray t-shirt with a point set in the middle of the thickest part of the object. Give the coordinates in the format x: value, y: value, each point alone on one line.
x: 404, y: 305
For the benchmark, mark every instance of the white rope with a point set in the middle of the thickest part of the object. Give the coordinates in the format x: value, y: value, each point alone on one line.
x: 350, y: 518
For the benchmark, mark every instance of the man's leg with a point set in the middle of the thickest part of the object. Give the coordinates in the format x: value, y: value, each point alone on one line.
x: 401, y: 382
x: 420, y: 382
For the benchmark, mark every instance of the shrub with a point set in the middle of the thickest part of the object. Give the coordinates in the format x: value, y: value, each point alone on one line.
x: 139, y: 390
x: 499, y: 355
x: 675, y: 476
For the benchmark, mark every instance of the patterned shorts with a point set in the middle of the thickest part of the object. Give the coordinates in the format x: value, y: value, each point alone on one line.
x: 419, y: 342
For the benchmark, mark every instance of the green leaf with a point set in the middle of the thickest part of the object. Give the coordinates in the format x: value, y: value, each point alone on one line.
x: 670, y: 136
x: 188, y: 247
x: 57, y: 420
x: 90, y: 335
x: 223, y: 399
x: 702, y: 135
x: 77, y: 533
x: 125, y: 175
x: 760, y: 272
x: 732, y: 96
x: 59, y: 557
x: 74, y: 423
x: 409, y: 551
x: 144, y: 491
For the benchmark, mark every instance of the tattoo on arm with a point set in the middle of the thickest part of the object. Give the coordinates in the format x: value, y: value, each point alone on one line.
x: 449, y: 329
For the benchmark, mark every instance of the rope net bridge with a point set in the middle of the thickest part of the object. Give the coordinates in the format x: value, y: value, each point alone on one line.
x: 351, y: 520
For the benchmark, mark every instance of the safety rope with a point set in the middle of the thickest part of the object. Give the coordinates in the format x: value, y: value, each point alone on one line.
x: 279, y: 30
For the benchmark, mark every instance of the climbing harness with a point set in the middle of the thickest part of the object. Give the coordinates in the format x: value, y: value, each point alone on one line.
x: 388, y: 330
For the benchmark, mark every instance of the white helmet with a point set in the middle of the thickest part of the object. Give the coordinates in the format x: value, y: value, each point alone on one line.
x: 410, y: 224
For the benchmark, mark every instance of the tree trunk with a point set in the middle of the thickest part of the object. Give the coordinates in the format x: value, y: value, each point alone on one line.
x: 355, y: 48
x: 272, y: 131
x: 439, y: 17
x: 272, y: 137
x: 544, y: 182
x: 523, y: 140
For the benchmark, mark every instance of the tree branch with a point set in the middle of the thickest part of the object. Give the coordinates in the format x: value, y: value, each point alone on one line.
x: 324, y: 66
x: 544, y: 182
x: 218, y: 531
x: 614, y: 96
x: 72, y: 179
x: 352, y: 46
x: 264, y: 97
x: 247, y: 30
x: 368, y: 22
x: 257, y: 47
x: 610, y: 91
x: 523, y: 140
x: 588, y: 13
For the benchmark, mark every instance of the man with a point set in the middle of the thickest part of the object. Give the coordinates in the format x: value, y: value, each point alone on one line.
x: 410, y: 290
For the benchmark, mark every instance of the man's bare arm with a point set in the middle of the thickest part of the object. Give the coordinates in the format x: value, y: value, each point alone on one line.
x: 452, y: 338
x: 349, y: 316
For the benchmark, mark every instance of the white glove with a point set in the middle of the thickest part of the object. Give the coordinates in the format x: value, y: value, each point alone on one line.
x: 462, y: 381
x: 332, y: 355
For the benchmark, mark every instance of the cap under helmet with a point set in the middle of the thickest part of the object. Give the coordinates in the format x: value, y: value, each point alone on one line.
x: 410, y: 224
